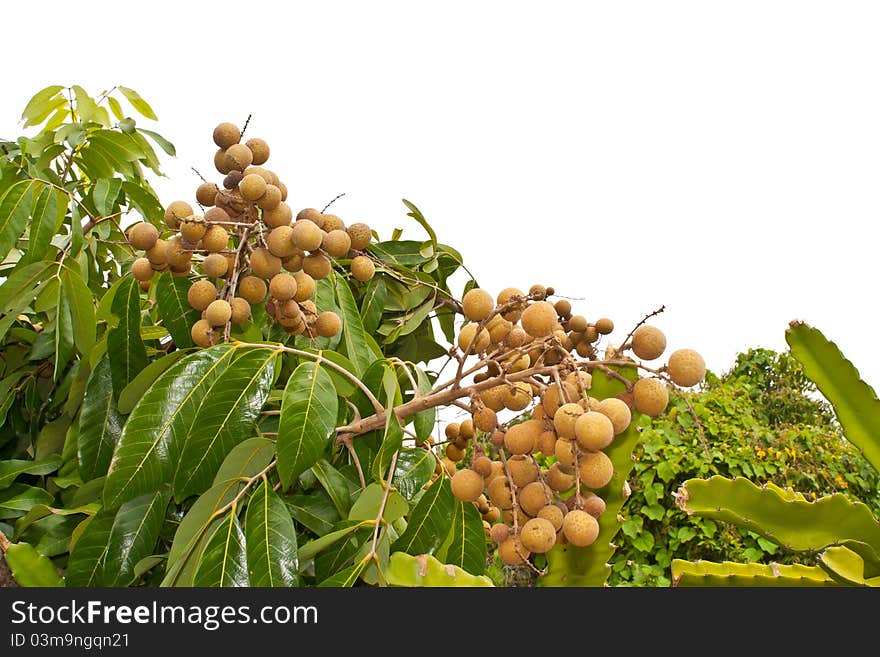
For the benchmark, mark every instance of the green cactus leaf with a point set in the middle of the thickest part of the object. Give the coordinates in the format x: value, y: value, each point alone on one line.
x: 786, y: 520
x: 425, y: 570
x: 854, y: 401
x: 727, y: 573
x: 846, y: 567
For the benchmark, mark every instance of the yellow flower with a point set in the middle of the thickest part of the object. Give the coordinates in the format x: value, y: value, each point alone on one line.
x: 761, y: 453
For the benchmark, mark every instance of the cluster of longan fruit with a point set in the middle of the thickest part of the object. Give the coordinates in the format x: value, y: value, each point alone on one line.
x: 249, y: 247
x: 544, y: 485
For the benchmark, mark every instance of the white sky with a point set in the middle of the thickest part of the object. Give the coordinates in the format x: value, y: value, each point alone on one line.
x: 722, y: 159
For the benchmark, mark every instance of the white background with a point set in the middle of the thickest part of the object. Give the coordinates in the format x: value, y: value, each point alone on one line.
x: 721, y: 158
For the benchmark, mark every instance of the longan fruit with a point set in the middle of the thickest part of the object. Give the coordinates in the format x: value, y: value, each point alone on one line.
x: 482, y: 465
x: 309, y: 308
x: 580, y: 528
x: 142, y: 270
x: 328, y: 324
x: 143, y: 236
x: 259, y: 148
x: 564, y: 452
x: 499, y: 328
x: 238, y: 157
x: 538, y: 535
x: 336, y: 243
x: 448, y: 465
x: 282, y: 287
x: 202, y: 333
x: 218, y: 312
x: 686, y: 367
x: 650, y: 396
x: 546, y: 443
x: 499, y: 533
x: 477, y: 305
x: 220, y: 162
x: 557, y: 479
x: 231, y: 180
x: 176, y: 253
x: 215, y: 239
x: 264, y: 264
x: 499, y: 492
x: 226, y: 134
x: 252, y: 187
x: 157, y: 255
x: 360, y: 235
x: 553, y: 514
x: 311, y: 214
x: 362, y: 268
x: 270, y: 199
x: 241, y: 310
x: 215, y: 265
x: 562, y: 307
x: 332, y: 222
x: 552, y: 400
x: 538, y: 292
x: 521, y: 438
x: 216, y: 215
x: 470, y: 341
x: 648, y: 342
x: 485, y: 419
x: 279, y: 241
x: 497, y: 471
x: 578, y: 324
x: 467, y: 485
x: 533, y: 497
x: 206, y: 192
x: 293, y: 263
x: 201, y: 294
x: 305, y: 286
x: 593, y: 504
x: 252, y: 289
x: 517, y: 396
x: 617, y: 411
x: 492, y: 515
x: 539, y: 319
x: 523, y: 470
x: 176, y: 211
x: 604, y: 326
x: 516, y: 337
x: 593, y: 431
x: 510, y: 550
x: 307, y: 235
x: 579, y: 380
x: 317, y: 265
x: 595, y: 470
x: 280, y: 215
x: 493, y: 397
x: 193, y: 228
x: 564, y: 420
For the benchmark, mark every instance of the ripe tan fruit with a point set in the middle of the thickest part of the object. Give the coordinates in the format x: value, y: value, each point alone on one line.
x: 477, y: 305
x: 553, y: 514
x: 317, y: 265
x: 513, y: 313
x: 231, y: 180
x: 497, y: 471
x: 595, y: 470
x: 360, y: 235
x: 552, y: 400
x: 337, y: 243
x: 238, y: 157
x: 538, y: 292
x: 215, y: 265
x: 593, y: 504
x: 218, y: 312
x: 482, y: 465
x: 259, y: 149
x: 278, y: 216
x: 557, y: 479
x: 202, y: 333
x: 539, y: 319
x: 604, y: 326
x: 564, y: 420
x: 546, y: 443
x: 282, y: 287
x: 523, y: 470
x: 332, y: 222
x: 215, y: 239
x: 686, y: 367
x: 499, y: 493
x: 617, y: 411
x: 466, y: 429
x: 328, y: 324
x: 252, y: 187
x: 492, y: 515
x: 499, y: 328
x: 216, y: 215
x: 493, y: 397
x: 578, y: 324
x: 362, y: 268
x: 593, y: 431
x: 201, y: 294
x: 193, y: 228
x: 241, y: 310
x: 533, y: 497
x: 226, y: 134
x: 270, y: 199
x: 279, y: 241
x: 449, y: 466
x: 512, y: 552
x: 312, y: 215
x: 305, y: 286
x: 177, y: 253
x: 252, y: 289
x: 264, y: 264
x: 499, y: 533
x: 648, y: 342
x: 471, y: 342
x: 580, y: 528
x: 220, y: 162
x: 467, y: 485
x: 522, y: 438
x: 143, y: 236
x: 293, y: 263
x: 175, y: 212
x: 564, y: 452
x: 157, y: 255
x: 650, y: 396
x: 538, y: 535
x: 206, y: 192
x: 485, y: 419
x: 517, y: 396
x: 141, y: 269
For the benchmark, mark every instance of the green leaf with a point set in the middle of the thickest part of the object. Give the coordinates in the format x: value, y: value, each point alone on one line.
x: 82, y: 309
x: 416, y: 214
x: 51, y: 438
x: 344, y: 385
x: 424, y: 570
x: 42, y: 104
x: 17, y: 499
x: 310, y: 549
x: 149, y: 447
x: 315, y: 511
x: 391, y: 442
x: 247, y: 459
x: 429, y: 523
x: 39, y: 511
x: 116, y: 108
x: 271, y: 540
x: 144, y: 200
x: 49, y: 211
x: 224, y: 561
x: 9, y: 470
x: 366, y: 507
x: 308, y: 418
x: 707, y: 573
x: 128, y: 355
x: 133, y: 535
x: 467, y: 539
x: 855, y: 402
x: 30, y: 568
x: 163, y: 143
x: 15, y: 208
x: 225, y: 416
x: 86, y: 564
x: 105, y: 194
x: 100, y: 423
x: 347, y: 577
x: 174, y: 309
x: 138, y: 103
x: 63, y: 335
x: 414, y: 469
x: 335, y: 484
x: 354, y: 339
x: 423, y: 421
x: 373, y: 304
x: 133, y: 392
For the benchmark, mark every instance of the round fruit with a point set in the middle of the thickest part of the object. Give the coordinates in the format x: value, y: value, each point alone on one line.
x: 466, y: 429
x: 538, y: 535
x: 360, y: 236
x: 578, y: 324
x: 193, y: 228
x: 593, y: 431
x: 141, y: 269
x: 485, y: 419
x: 307, y: 235
x: 686, y: 367
x: 594, y: 505
x: 482, y: 465
x: 516, y: 336
x: 252, y: 187
x: 271, y: 199
x: 595, y: 470
x: 332, y: 222
x: 226, y: 134
x: 305, y: 286
x: 337, y: 243
x: 499, y: 533
x: 252, y: 289
x: 231, y: 180
x: 259, y: 149
x: 648, y: 342
x: 312, y: 215
x: 546, y: 443
x: 157, y: 255
x: 176, y: 252
x: 564, y: 420
x: 467, y: 485
x: 522, y: 438
x: 220, y: 162
x: 282, y: 287
x: 533, y: 497
x: 317, y: 265
x: 564, y: 451
x: 618, y: 412
x: 279, y: 241
x: 176, y: 211
x: 538, y: 292
x: 281, y: 215
x: 604, y: 326
x: 499, y: 493
x: 552, y: 400
x: 215, y: 265
x: 557, y: 479
x: 523, y: 470
x: 206, y: 192
x: 517, y: 396
x: 328, y: 324
x: 493, y: 397
x: 143, y: 236
x: 238, y: 157
x: 362, y: 268
x: 580, y: 528
x: 512, y: 552
x: 553, y: 514
x: 215, y: 239
x: 539, y: 319
x: 241, y: 310
x: 202, y: 334
x: 469, y: 341
x: 201, y: 294
x: 499, y: 328
x: 218, y: 312
x: 477, y: 305
x: 264, y: 264
x: 650, y: 396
